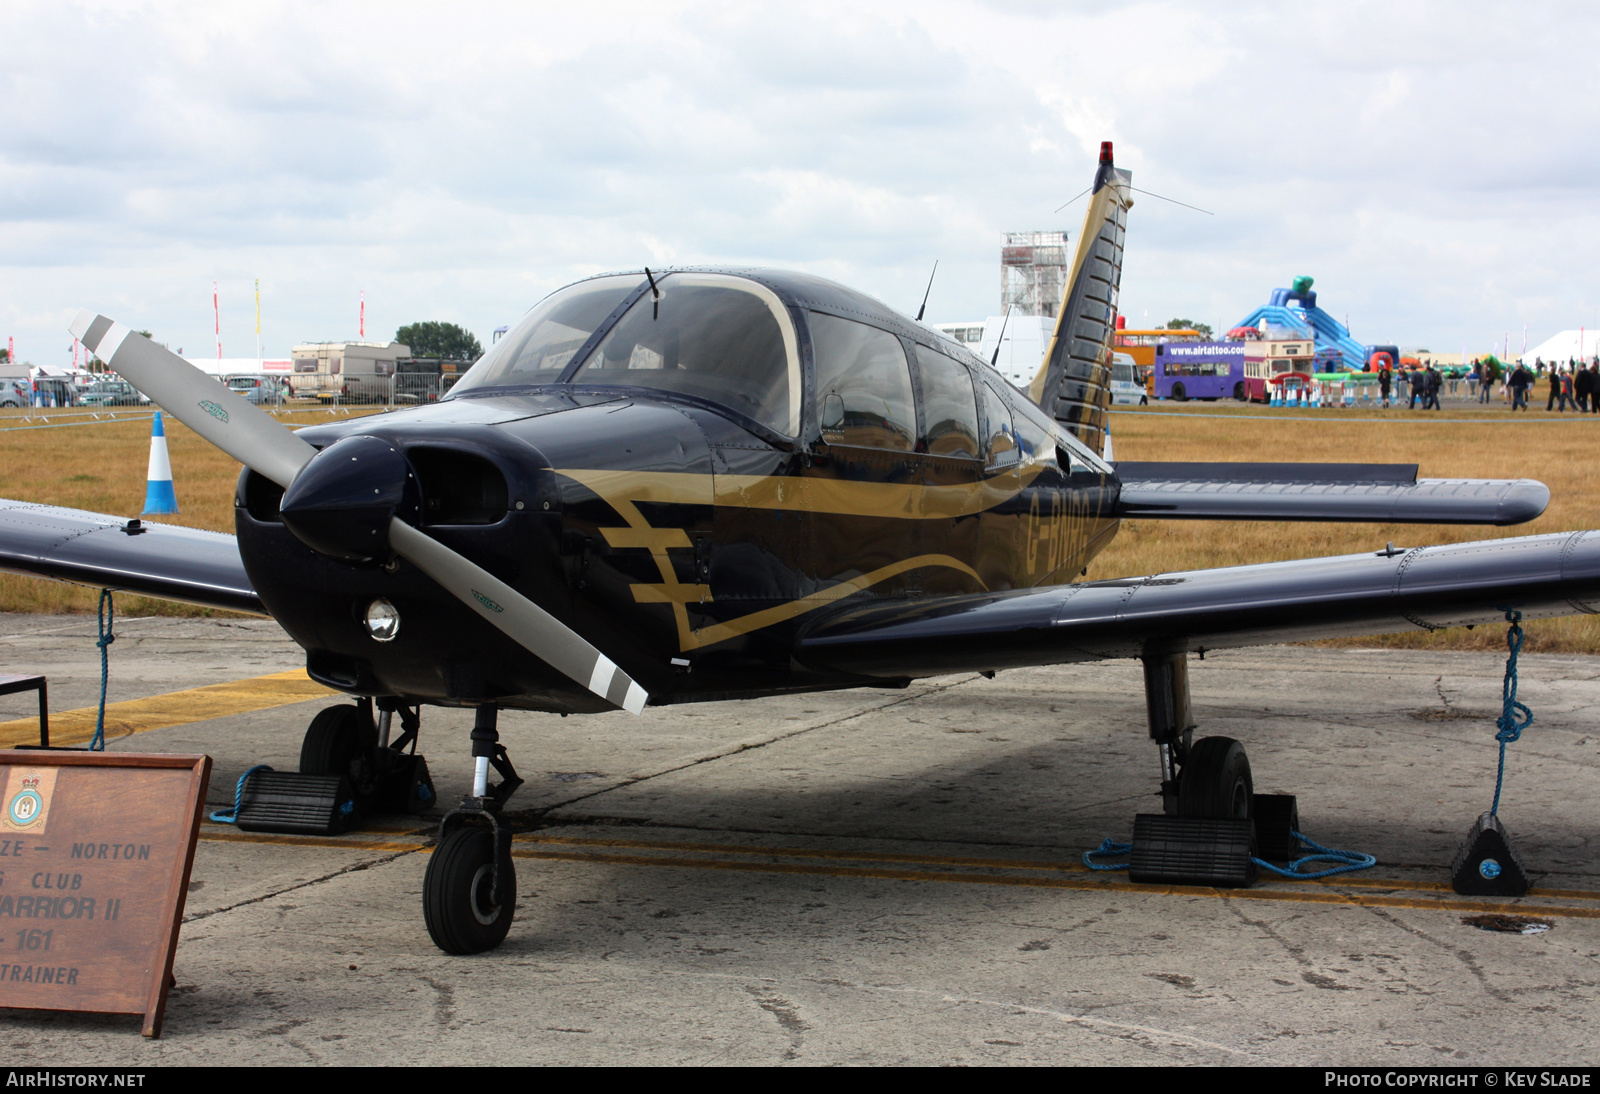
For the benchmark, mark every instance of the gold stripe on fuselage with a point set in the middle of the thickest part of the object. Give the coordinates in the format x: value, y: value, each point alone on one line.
x: 624, y: 490
x: 805, y: 494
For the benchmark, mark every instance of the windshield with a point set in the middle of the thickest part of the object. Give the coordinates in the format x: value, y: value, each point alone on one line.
x: 721, y: 338
x: 543, y: 344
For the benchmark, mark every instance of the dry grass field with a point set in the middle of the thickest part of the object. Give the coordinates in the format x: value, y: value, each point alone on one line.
x: 101, y: 467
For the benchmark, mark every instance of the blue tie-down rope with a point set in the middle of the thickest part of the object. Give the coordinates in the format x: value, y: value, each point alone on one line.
x: 1347, y: 860
x: 1108, y: 846
x: 108, y: 617
x: 231, y: 816
x: 1509, y: 724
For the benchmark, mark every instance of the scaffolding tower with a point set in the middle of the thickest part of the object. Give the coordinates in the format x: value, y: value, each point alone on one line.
x: 1033, y: 271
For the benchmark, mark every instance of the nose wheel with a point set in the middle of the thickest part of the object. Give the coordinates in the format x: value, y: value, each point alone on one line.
x: 467, y: 902
x: 469, y: 895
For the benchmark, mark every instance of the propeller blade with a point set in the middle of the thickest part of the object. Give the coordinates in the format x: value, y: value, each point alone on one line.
x: 527, y: 624
x: 247, y: 433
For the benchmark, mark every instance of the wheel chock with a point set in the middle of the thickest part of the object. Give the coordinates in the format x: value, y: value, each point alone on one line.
x: 1277, y: 820
x: 287, y: 801
x: 1193, y: 851
x: 406, y: 787
x: 1486, y: 865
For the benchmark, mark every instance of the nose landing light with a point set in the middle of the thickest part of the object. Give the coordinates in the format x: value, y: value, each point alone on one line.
x: 383, y: 620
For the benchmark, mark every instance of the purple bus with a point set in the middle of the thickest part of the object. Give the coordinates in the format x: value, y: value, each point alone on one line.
x: 1200, y: 370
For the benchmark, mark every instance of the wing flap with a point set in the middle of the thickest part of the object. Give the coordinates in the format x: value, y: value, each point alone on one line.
x: 157, y: 560
x: 1377, y: 493
x: 1421, y: 588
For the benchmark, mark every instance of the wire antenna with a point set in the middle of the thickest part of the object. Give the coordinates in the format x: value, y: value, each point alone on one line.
x: 1175, y: 201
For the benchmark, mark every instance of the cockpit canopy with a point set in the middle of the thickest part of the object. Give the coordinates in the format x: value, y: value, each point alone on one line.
x: 731, y: 340
x: 723, y: 338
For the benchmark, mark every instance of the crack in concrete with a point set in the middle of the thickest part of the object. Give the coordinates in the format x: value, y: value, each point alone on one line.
x: 195, y: 917
x: 1460, y: 954
x: 748, y: 746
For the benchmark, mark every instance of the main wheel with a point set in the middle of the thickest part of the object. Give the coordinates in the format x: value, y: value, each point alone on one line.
x: 1215, y: 781
x: 334, y: 741
x: 458, y: 894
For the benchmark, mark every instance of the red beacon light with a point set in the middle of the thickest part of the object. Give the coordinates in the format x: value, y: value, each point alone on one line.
x: 1105, y: 151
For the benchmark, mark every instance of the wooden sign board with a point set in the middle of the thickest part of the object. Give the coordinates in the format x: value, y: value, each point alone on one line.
x: 95, y: 853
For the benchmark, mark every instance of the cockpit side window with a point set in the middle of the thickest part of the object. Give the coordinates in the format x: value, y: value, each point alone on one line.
x: 863, y: 385
x: 948, y: 406
x: 721, y: 338
x: 543, y: 344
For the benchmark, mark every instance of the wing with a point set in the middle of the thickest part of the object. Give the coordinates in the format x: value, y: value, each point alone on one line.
x: 1400, y: 590
x: 1381, y: 493
x: 158, y: 560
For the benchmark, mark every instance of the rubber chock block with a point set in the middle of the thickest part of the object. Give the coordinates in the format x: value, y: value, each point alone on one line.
x: 1277, y: 821
x: 1193, y: 851
x: 406, y: 787
x: 287, y: 801
x: 1486, y: 865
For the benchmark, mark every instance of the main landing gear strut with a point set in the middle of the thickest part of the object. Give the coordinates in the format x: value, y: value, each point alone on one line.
x: 1205, y: 778
x: 470, y: 892
x: 382, y: 776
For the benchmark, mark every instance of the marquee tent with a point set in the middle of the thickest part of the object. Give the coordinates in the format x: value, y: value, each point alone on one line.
x: 1565, y: 346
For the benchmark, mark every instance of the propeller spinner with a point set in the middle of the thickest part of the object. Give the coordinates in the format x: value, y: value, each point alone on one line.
x: 356, y: 470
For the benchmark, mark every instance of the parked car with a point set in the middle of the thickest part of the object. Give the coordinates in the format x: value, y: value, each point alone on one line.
x: 15, y: 392
x: 259, y: 389
x: 111, y: 393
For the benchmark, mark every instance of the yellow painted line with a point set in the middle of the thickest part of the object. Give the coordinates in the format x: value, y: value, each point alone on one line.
x: 1343, y: 881
x: 282, y: 840
x: 1084, y: 884
x: 175, y: 708
x: 1315, y: 894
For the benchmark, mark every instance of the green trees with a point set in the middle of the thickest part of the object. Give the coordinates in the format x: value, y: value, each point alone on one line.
x: 435, y: 339
x: 1190, y: 324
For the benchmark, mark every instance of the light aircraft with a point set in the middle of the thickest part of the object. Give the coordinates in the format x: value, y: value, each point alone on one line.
x: 706, y: 484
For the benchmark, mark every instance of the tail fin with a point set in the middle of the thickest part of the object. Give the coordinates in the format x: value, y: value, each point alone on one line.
x: 1074, y: 381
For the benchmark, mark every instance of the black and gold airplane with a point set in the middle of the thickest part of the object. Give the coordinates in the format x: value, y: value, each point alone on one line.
x: 705, y: 484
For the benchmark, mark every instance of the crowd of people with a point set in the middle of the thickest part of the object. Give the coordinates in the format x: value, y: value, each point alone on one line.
x: 1572, y: 384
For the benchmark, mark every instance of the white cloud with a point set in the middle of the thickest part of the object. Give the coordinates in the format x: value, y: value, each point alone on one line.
x: 1429, y: 164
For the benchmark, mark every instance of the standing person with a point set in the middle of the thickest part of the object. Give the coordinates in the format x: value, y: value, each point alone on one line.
x: 1594, y: 387
x: 1555, y: 389
x: 1472, y: 379
x: 1430, y: 387
x: 1566, y: 392
x: 1417, y: 389
x: 1385, y: 379
x: 1518, y: 384
x: 1581, y: 389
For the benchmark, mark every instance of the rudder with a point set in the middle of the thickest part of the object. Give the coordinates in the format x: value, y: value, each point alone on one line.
x: 1073, y: 384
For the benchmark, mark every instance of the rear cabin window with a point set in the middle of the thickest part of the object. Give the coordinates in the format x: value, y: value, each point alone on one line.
x: 948, y: 406
x: 1000, y: 445
x: 863, y: 385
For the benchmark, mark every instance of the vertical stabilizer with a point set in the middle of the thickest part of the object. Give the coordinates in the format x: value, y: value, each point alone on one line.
x: 1074, y: 381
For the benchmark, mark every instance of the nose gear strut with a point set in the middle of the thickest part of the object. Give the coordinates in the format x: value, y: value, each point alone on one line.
x: 469, y: 894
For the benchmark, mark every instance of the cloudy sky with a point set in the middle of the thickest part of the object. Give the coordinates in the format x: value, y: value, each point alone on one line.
x: 1433, y: 165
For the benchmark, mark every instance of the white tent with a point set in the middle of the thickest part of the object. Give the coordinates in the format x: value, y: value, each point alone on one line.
x: 1567, y: 345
